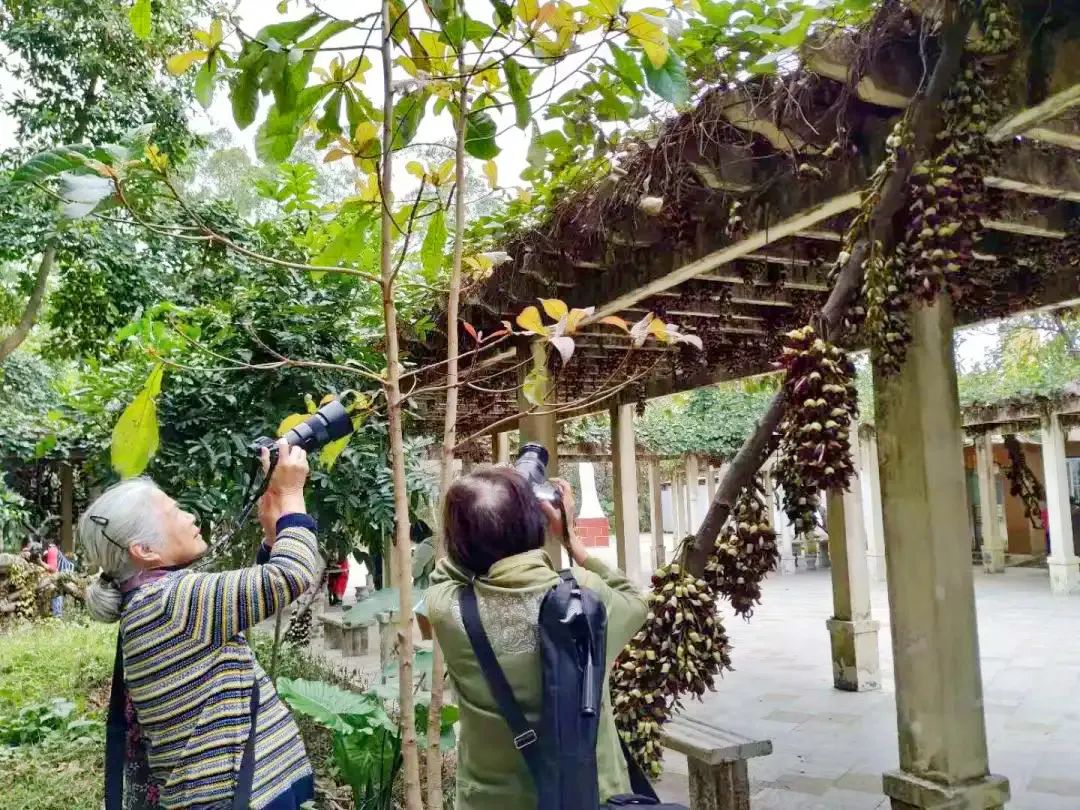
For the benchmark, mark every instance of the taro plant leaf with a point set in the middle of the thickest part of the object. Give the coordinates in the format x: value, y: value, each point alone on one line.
x: 669, y: 80
x: 431, y: 251
x: 141, y: 18
x: 135, y: 437
x: 447, y: 718
x: 518, y: 81
x: 329, y: 705
x: 368, y: 762
x: 480, y: 130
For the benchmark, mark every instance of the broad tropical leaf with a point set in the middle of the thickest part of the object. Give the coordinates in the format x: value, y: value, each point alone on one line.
x: 480, y: 130
x: 326, y: 704
x: 434, y: 245
x: 529, y: 319
x: 141, y: 18
x: 135, y: 436
x: 554, y: 308
x: 180, y: 62
x: 46, y: 165
x: 669, y: 80
x: 519, y: 82
x: 289, y: 422
x: 408, y: 113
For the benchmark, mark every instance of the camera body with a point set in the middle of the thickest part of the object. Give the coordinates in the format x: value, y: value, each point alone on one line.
x: 532, y: 463
x: 328, y: 423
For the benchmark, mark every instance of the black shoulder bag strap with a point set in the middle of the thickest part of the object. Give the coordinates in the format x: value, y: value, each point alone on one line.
x: 116, y: 742
x: 525, y: 736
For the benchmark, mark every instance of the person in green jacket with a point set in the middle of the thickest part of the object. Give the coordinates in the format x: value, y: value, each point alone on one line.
x: 494, y: 531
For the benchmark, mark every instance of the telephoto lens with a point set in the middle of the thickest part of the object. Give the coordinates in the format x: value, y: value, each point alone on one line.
x: 327, y: 424
x: 532, y: 463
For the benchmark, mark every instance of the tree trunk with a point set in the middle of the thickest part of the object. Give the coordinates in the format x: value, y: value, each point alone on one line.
x: 409, y: 752
x: 924, y: 122
x: 30, y: 313
x: 434, y: 752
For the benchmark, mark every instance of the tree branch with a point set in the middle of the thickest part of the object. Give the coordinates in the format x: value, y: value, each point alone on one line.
x: 30, y: 312
x: 924, y: 121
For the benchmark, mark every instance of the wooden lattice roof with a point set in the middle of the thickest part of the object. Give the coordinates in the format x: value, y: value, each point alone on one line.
x: 755, y: 205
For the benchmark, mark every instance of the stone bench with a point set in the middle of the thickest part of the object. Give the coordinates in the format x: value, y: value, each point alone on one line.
x: 350, y: 638
x: 717, y: 759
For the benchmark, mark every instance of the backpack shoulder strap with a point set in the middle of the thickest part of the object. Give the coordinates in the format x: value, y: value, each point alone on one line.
x: 525, y: 736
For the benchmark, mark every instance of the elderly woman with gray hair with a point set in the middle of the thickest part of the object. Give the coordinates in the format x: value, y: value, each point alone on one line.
x: 187, y: 688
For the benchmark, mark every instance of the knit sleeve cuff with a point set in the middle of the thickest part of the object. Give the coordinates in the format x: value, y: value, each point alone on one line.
x: 294, y: 520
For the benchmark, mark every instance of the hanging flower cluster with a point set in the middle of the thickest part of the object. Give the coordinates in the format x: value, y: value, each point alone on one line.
x: 1023, y: 484
x: 815, y: 445
x: 745, y: 552
x: 679, y: 651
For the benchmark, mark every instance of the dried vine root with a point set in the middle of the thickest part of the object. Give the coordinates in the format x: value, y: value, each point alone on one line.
x: 815, y: 445
x: 1023, y: 484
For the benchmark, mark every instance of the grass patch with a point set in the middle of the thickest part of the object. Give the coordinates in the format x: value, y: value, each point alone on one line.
x: 38, y: 663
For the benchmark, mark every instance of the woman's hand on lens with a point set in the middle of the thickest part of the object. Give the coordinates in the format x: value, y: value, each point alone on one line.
x: 574, y: 547
x: 286, y: 488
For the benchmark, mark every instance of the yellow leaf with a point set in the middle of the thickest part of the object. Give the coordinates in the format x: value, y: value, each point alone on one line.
x: 530, y: 321
x: 310, y: 403
x: 492, y: 172
x: 365, y: 133
x: 575, y: 317
x: 327, y: 398
x: 216, y: 34
x: 546, y: 13
x: 135, y: 436
x: 332, y: 450
x: 446, y: 170
x: 409, y: 66
x: 658, y: 328
x: 416, y: 169
x: 605, y: 9
x: 526, y: 10
x: 652, y: 37
x: 369, y: 188
x: 554, y: 308
x: 289, y: 422
x: 335, y: 154
x: 182, y: 61
x: 615, y: 320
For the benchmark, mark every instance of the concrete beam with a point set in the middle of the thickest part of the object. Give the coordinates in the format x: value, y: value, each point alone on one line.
x: 624, y: 467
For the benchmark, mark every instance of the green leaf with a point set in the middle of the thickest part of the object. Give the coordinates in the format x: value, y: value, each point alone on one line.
x: 204, y: 84
x: 535, y: 386
x: 353, y: 243
x: 440, y: 9
x: 245, y: 97
x: 669, y: 81
x: 462, y: 29
x: 519, y: 82
x: 629, y: 70
x: 537, y: 153
x: 49, y: 164
x: 408, y: 113
x: 135, y: 436
x: 329, y: 124
x: 141, y: 18
x: 434, y: 246
x: 279, y: 132
x: 480, y: 130
x: 503, y: 12
x: 357, y: 108
x: 326, y: 704
x: 284, y: 33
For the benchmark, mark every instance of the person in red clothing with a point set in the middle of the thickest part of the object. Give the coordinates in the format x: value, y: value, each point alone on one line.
x: 51, y: 559
x: 337, y: 581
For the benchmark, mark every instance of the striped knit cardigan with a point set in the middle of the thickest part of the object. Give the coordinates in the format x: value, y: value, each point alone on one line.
x: 189, y: 673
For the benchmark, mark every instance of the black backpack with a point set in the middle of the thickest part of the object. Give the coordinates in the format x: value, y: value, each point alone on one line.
x: 561, y: 753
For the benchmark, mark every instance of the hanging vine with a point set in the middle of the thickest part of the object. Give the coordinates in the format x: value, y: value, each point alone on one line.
x: 1023, y: 484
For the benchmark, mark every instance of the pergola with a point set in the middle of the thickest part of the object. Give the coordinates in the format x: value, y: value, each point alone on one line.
x: 755, y: 202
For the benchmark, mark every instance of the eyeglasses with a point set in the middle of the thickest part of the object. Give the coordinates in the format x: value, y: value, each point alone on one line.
x: 102, y: 522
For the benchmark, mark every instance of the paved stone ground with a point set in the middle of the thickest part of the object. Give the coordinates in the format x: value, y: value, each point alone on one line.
x: 831, y: 747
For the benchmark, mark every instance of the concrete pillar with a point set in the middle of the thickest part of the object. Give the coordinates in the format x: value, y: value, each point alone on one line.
x: 710, y: 485
x: 693, y: 479
x: 538, y: 424
x: 656, y: 515
x: 993, y: 541
x: 854, y: 633
x: 678, y: 500
x: 500, y: 447
x: 939, y: 699
x: 624, y: 464
x: 67, y: 487
x: 1063, y: 563
x: 785, y: 531
x: 870, y: 483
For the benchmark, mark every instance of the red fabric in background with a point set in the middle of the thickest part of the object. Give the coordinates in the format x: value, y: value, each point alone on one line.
x: 338, y: 579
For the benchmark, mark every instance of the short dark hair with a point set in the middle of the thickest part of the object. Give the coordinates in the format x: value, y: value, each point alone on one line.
x: 490, y: 514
